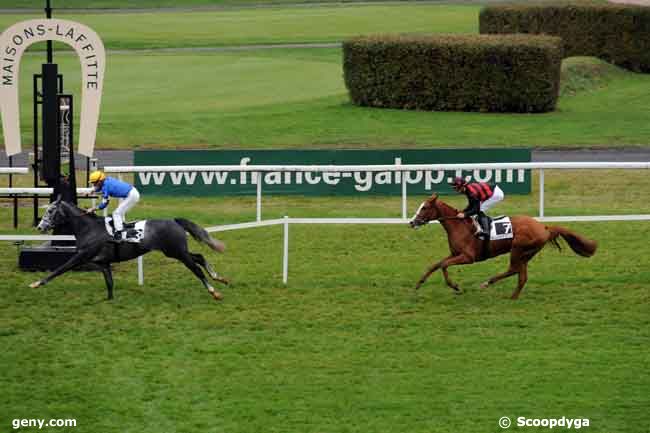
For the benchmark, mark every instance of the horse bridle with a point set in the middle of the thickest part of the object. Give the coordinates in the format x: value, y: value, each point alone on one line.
x: 448, y: 217
x: 50, y: 215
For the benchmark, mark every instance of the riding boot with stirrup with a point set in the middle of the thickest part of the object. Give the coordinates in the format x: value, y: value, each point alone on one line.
x: 477, y: 226
x: 484, y: 222
x: 117, y: 236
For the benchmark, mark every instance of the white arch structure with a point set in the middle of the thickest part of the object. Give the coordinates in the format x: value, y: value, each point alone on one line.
x: 92, y: 55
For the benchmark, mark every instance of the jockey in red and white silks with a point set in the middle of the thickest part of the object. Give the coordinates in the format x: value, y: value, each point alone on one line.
x: 481, y: 197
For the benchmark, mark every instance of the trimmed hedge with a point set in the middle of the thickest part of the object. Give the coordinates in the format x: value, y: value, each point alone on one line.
x: 619, y: 34
x: 509, y: 73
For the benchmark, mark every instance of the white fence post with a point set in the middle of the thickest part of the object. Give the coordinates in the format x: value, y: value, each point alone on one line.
x: 140, y: 271
x: 541, y: 192
x: 403, y: 178
x: 285, y: 251
x: 258, y: 177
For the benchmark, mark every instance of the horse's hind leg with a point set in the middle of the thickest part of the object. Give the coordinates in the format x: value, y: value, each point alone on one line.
x: 523, y: 269
x: 200, y: 260
x: 499, y: 277
x: 186, y: 258
x: 518, y: 265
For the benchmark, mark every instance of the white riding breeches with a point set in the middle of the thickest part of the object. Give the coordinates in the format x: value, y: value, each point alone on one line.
x: 497, y: 196
x: 125, y: 205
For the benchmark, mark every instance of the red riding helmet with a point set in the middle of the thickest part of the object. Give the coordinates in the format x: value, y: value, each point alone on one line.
x: 458, y: 182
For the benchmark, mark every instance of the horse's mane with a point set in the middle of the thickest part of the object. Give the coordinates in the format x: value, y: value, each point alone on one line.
x: 446, y: 206
x: 80, y: 211
x: 71, y: 206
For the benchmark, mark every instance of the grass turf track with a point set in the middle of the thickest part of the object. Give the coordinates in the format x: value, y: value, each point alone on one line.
x: 347, y: 346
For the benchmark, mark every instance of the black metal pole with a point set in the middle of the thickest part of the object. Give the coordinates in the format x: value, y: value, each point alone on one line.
x: 11, y: 184
x: 36, y: 166
x: 51, y: 162
x: 48, y: 15
x: 72, y: 176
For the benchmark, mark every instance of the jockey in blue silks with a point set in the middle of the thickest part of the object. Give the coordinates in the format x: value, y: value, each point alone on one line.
x: 111, y: 187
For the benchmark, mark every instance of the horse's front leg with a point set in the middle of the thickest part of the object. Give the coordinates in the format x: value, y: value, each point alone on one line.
x: 108, y: 278
x: 77, y: 259
x: 455, y: 260
x: 430, y: 271
x: 451, y: 283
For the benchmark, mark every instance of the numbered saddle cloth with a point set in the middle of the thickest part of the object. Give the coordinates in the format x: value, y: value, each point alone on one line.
x: 501, y: 228
x: 133, y: 231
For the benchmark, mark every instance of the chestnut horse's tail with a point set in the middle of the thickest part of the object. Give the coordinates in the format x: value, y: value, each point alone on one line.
x: 579, y: 244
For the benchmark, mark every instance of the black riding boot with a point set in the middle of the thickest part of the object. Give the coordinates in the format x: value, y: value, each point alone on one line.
x: 484, y: 222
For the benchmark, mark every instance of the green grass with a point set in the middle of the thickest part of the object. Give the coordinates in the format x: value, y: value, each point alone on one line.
x: 347, y: 346
x: 269, y: 25
x: 297, y: 99
x: 61, y: 5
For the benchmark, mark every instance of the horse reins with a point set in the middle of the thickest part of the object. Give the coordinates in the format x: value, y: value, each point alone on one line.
x: 450, y: 218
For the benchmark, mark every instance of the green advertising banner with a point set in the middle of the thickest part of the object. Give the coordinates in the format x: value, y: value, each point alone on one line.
x: 200, y: 183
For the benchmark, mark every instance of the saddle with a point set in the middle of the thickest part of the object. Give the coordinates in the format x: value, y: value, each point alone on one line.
x: 500, y: 227
x: 133, y: 231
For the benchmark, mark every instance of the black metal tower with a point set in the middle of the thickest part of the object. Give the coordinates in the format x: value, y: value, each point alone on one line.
x: 56, y: 137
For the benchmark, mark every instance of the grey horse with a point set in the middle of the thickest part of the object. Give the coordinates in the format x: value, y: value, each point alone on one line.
x: 95, y: 246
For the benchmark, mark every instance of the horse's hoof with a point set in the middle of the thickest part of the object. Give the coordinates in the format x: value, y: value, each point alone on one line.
x: 217, y: 296
x: 458, y: 292
x: 35, y: 284
x: 223, y: 280
x: 485, y: 285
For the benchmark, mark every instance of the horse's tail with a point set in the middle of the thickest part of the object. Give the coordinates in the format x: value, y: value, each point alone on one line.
x: 579, y: 244
x: 200, y: 234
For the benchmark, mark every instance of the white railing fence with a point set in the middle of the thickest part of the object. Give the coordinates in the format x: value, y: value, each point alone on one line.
x: 41, y: 191
x: 403, y: 168
x: 14, y: 170
x: 258, y: 179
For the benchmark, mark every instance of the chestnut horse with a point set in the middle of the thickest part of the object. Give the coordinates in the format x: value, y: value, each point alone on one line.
x: 530, y: 236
